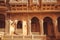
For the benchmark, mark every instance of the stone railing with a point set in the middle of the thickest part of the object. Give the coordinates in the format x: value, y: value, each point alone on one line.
x: 45, y: 6
x: 21, y: 37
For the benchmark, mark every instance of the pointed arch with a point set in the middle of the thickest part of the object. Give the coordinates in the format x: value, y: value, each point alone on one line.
x: 19, y: 24
x: 48, y: 26
x: 35, y: 25
x: 19, y: 27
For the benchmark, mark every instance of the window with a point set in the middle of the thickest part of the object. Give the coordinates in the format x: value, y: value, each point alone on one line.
x: 49, y: 0
x: 19, y: 25
x: 35, y: 1
x: 35, y: 25
x: 48, y: 26
x: 25, y: 1
x: 19, y: 1
x: 15, y: 0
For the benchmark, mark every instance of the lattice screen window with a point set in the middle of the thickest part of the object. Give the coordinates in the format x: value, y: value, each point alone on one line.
x: 25, y: 1
x: 18, y: 0
x: 36, y: 1
x: 15, y: 0
x: 49, y: 0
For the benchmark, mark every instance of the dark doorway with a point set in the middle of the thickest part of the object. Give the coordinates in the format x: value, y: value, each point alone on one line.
x: 35, y: 26
x: 58, y: 21
x: 19, y: 25
x: 2, y: 21
x: 49, y: 28
x: 19, y: 28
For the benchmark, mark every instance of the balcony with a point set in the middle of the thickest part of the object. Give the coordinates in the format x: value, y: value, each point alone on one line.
x: 31, y: 7
x: 3, y: 5
x: 3, y: 8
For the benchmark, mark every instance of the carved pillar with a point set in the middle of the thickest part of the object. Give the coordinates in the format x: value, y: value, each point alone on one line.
x: 16, y: 25
x: 12, y: 27
x: 7, y: 25
x: 55, y: 26
x: 29, y: 27
x: 24, y: 27
x: 41, y: 27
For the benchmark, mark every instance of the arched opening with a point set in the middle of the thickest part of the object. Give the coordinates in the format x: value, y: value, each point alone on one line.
x: 48, y: 28
x: 19, y: 27
x: 35, y: 26
x: 2, y: 22
x: 58, y: 21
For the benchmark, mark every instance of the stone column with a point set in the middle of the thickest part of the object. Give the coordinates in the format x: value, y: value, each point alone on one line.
x: 24, y: 27
x: 12, y: 27
x: 7, y: 25
x: 55, y: 26
x: 29, y: 27
x: 41, y: 27
x: 16, y: 25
